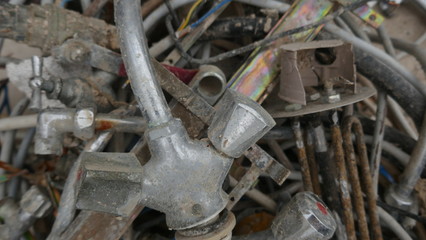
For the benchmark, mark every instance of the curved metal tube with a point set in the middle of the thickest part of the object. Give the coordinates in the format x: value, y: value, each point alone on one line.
x: 138, y: 65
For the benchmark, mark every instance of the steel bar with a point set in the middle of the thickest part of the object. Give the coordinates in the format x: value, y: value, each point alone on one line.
x: 342, y: 178
x: 350, y: 123
x: 313, y: 166
x: 301, y: 155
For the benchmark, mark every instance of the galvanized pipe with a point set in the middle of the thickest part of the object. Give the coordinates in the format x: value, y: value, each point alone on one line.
x: 138, y: 64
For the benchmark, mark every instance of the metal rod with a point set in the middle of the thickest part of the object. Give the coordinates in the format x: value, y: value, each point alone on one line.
x: 342, y: 178
x: 301, y: 156
x: 349, y: 123
x: 138, y: 64
x: 313, y: 167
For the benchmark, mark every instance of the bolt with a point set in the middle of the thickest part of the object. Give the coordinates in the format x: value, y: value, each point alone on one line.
x: 292, y: 107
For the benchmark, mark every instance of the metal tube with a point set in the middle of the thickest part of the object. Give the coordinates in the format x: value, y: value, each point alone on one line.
x: 138, y: 64
x: 7, y: 145
x: 18, y: 161
x: 349, y: 123
x: 417, y: 162
x: 379, y: 133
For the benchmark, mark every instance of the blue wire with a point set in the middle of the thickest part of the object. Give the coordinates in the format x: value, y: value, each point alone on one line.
x: 210, y: 12
x: 386, y: 174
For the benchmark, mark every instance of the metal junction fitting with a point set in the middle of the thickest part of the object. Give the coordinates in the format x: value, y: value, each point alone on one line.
x: 184, y: 177
x: 402, y: 194
x: 18, y: 219
x: 304, y: 217
x: 209, y: 83
x: 52, y: 124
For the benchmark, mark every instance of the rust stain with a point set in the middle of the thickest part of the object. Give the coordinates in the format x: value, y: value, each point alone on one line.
x: 104, y: 125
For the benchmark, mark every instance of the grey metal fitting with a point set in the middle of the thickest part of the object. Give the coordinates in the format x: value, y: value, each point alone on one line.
x: 304, y: 217
x: 53, y: 123
x: 209, y: 83
x: 394, y: 198
x: 72, y: 51
x: 35, y: 83
x: 51, y: 126
x: 84, y: 123
x: 183, y: 179
x: 33, y: 205
x: 238, y: 123
x: 109, y: 182
x: 75, y: 91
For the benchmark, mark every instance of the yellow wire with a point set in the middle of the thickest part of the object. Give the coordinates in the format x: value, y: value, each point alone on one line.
x: 188, y: 17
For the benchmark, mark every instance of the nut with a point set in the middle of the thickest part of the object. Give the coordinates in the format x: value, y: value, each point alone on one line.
x: 394, y: 199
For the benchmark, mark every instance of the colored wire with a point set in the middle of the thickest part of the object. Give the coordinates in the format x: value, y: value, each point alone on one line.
x: 189, y: 15
x: 210, y: 12
x: 256, y: 44
x: 386, y: 174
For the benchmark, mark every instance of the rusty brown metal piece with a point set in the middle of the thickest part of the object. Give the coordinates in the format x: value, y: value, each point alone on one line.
x: 354, y: 123
x: 301, y: 156
x: 342, y: 178
x: 313, y: 167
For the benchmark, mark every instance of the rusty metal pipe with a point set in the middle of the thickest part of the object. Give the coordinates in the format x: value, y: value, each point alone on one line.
x: 313, y: 167
x: 350, y: 123
x: 301, y: 156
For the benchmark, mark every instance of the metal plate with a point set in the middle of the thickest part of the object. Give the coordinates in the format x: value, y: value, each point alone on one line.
x: 275, y: 106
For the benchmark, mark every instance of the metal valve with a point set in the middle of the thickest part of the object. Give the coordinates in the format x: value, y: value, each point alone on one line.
x: 304, y: 217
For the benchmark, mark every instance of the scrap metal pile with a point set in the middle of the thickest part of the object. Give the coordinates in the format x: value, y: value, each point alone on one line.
x: 211, y: 119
